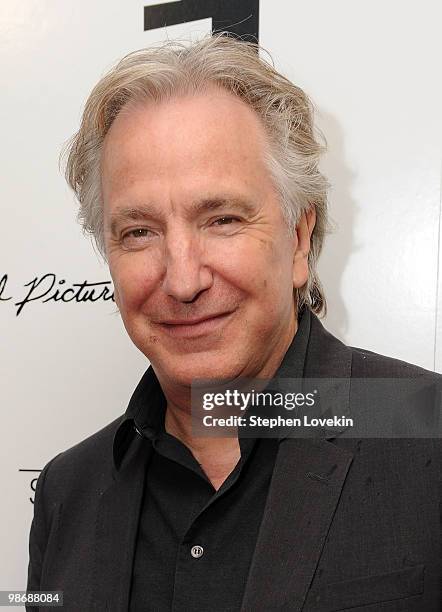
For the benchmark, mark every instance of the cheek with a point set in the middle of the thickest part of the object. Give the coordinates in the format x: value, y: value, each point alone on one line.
x: 133, y: 285
x: 258, y: 267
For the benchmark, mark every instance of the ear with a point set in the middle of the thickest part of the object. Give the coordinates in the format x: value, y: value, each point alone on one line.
x: 304, y: 231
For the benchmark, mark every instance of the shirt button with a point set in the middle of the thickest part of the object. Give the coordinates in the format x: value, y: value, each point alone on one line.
x: 197, y: 552
x: 138, y: 431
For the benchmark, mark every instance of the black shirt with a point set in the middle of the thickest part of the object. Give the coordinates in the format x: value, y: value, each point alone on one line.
x: 195, y: 544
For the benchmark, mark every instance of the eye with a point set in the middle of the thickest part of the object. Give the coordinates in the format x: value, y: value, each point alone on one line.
x: 137, y: 237
x: 225, y: 220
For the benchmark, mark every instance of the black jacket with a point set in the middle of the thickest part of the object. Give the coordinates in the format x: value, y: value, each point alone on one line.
x: 349, y: 523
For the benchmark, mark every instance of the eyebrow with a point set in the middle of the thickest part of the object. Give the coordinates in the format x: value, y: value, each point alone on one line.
x: 147, y: 211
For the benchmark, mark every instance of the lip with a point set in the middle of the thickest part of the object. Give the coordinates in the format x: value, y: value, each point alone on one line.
x: 185, y: 328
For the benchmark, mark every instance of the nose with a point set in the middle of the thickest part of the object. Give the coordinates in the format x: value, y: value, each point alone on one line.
x: 186, y: 274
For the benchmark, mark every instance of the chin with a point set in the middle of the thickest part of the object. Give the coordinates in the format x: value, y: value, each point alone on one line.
x: 202, y: 368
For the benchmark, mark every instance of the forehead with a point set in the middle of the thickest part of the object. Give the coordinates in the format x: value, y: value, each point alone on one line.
x: 210, y: 135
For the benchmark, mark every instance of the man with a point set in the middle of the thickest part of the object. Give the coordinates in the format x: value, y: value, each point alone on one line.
x: 197, y: 173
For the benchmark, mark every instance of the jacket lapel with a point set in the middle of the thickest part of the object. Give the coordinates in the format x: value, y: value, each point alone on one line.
x: 116, y: 530
x: 304, y: 492
x: 307, y: 481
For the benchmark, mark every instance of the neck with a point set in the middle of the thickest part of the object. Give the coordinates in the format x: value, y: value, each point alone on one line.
x: 216, y: 456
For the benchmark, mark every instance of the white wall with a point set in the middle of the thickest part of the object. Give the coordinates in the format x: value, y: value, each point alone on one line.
x: 69, y: 368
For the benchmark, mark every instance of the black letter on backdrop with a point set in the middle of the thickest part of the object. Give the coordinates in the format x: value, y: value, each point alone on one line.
x: 240, y: 18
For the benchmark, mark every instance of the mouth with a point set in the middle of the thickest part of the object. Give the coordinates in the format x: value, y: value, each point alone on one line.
x: 201, y: 326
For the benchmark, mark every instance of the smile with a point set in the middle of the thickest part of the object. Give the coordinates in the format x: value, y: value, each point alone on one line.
x: 202, y: 326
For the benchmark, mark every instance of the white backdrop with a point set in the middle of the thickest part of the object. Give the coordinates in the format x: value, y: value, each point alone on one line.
x: 67, y: 369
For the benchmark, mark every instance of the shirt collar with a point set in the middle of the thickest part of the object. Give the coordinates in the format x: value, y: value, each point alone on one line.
x: 292, y: 365
x: 140, y: 419
x: 137, y: 416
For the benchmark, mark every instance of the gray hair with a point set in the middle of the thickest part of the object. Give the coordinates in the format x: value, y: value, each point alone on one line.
x: 174, y: 68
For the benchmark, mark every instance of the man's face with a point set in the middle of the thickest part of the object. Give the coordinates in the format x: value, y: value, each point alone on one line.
x: 198, y: 250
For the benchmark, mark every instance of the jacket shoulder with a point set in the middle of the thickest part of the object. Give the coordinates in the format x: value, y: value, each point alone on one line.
x: 81, y: 466
x: 330, y: 357
x: 369, y: 364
